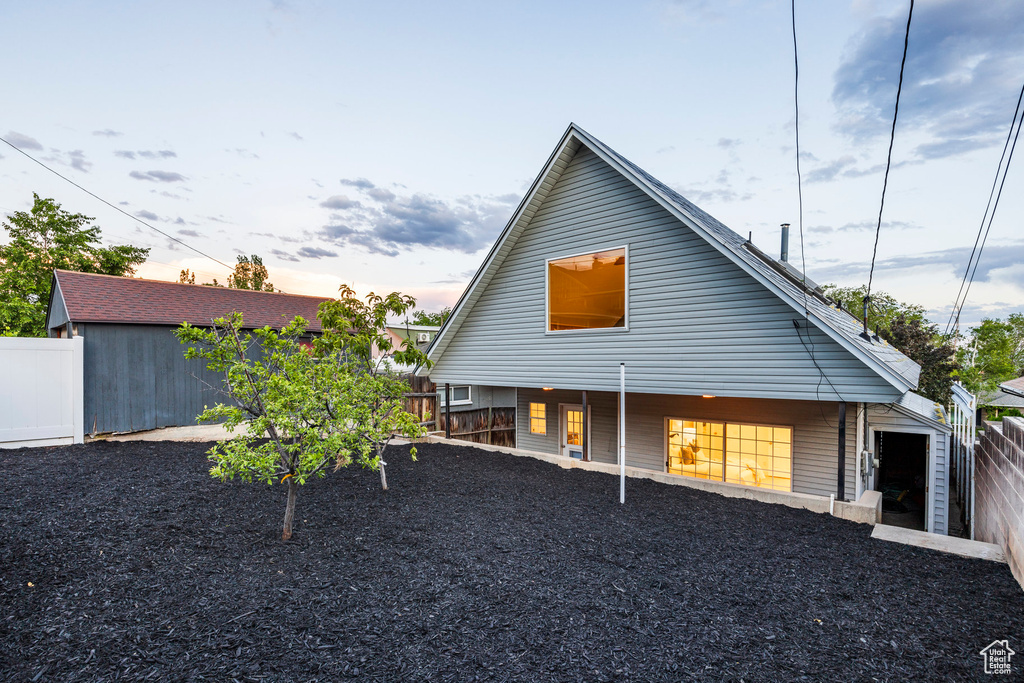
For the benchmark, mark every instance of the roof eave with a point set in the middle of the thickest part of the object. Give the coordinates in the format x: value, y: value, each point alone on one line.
x: 894, y: 378
x: 454, y: 321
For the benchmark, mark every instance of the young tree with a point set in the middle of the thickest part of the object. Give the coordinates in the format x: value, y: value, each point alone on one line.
x: 41, y: 240
x: 294, y: 407
x: 358, y: 329
x: 304, y: 407
x: 435, y: 319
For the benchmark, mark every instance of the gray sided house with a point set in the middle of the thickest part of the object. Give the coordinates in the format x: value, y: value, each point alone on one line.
x: 737, y: 368
x: 136, y: 375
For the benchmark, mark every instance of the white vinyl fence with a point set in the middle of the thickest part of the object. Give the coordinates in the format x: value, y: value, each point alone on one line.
x: 41, y: 394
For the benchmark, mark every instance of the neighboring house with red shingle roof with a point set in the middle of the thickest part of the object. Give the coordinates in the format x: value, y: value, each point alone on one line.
x: 136, y: 375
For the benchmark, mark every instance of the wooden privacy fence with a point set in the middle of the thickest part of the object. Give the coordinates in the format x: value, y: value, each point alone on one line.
x: 494, y: 426
x: 422, y: 400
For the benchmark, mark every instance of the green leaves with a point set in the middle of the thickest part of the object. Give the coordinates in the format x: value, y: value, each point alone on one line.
x: 40, y: 241
x: 301, y: 405
x: 994, y: 354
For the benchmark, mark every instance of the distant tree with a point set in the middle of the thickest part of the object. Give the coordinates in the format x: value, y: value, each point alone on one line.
x: 923, y: 344
x: 882, y: 310
x: 435, y: 319
x: 993, y: 354
x: 359, y: 328
x: 41, y: 240
x: 904, y: 326
x: 250, y: 273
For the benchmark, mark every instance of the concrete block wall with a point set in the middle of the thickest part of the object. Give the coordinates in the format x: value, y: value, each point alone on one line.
x: 999, y: 490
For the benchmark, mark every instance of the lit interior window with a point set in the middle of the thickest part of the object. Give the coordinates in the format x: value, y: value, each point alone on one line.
x: 753, y: 455
x: 538, y: 418
x: 574, y: 427
x: 587, y: 292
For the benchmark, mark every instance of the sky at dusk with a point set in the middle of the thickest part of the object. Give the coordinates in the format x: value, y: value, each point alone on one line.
x: 385, y: 145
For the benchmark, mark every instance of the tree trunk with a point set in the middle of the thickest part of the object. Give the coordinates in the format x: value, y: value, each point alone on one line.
x: 289, y: 510
x: 383, y: 477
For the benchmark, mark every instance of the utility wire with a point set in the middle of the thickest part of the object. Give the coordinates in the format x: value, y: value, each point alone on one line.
x: 800, y: 199
x: 796, y: 126
x: 954, y: 314
x: 115, y: 208
x: 892, y: 137
x: 995, y: 205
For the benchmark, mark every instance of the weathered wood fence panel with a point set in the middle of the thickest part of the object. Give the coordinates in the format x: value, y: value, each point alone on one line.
x: 422, y: 400
x: 40, y: 392
x: 494, y: 426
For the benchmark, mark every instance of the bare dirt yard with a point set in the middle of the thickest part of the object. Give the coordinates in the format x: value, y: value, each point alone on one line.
x: 127, y: 561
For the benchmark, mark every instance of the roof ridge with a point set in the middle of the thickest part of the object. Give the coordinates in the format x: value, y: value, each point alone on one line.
x: 132, y: 278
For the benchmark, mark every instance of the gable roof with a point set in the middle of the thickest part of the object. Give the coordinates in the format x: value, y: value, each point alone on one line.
x: 1013, y: 386
x: 888, y: 362
x: 922, y: 409
x: 91, y: 298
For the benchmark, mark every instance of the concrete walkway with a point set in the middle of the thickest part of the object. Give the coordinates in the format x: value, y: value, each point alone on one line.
x: 191, y: 433
x: 946, y: 544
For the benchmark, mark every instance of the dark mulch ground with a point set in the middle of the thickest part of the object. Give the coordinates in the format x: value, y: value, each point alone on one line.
x: 474, y: 566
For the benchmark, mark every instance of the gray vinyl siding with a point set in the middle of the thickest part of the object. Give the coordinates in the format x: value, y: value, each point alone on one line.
x: 698, y: 324
x: 137, y: 378
x: 885, y: 419
x: 482, y: 397
x: 603, y: 408
x: 815, y: 430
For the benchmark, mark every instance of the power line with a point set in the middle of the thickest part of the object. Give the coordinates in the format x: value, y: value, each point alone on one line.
x: 116, y: 208
x: 796, y: 127
x: 991, y: 217
x: 892, y: 138
x: 955, y: 312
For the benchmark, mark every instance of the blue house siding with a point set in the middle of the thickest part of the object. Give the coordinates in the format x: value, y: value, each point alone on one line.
x: 137, y: 378
x: 698, y: 323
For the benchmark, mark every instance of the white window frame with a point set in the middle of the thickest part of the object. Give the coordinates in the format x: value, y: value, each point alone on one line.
x: 725, y: 443
x: 547, y: 294
x: 456, y: 402
x: 530, y: 418
x: 563, y: 429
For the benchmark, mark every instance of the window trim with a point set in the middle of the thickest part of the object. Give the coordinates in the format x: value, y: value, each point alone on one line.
x: 530, y: 417
x: 725, y: 439
x: 459, y: 402
x: 547, y: 294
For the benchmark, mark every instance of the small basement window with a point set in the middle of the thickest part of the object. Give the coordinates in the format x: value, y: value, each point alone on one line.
x: 461, y: 395
x: 538, y: 418
x: 752, y: 455
x: 588, y: 291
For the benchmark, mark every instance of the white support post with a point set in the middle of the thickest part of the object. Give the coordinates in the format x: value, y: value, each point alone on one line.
x: 78, y: 389
x: 622, y: 433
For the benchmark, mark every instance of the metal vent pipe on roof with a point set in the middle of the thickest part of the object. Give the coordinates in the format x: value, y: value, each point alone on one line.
x: 784, y: 256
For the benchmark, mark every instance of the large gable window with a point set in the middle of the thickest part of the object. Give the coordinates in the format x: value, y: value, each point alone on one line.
x: 588, y: 291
